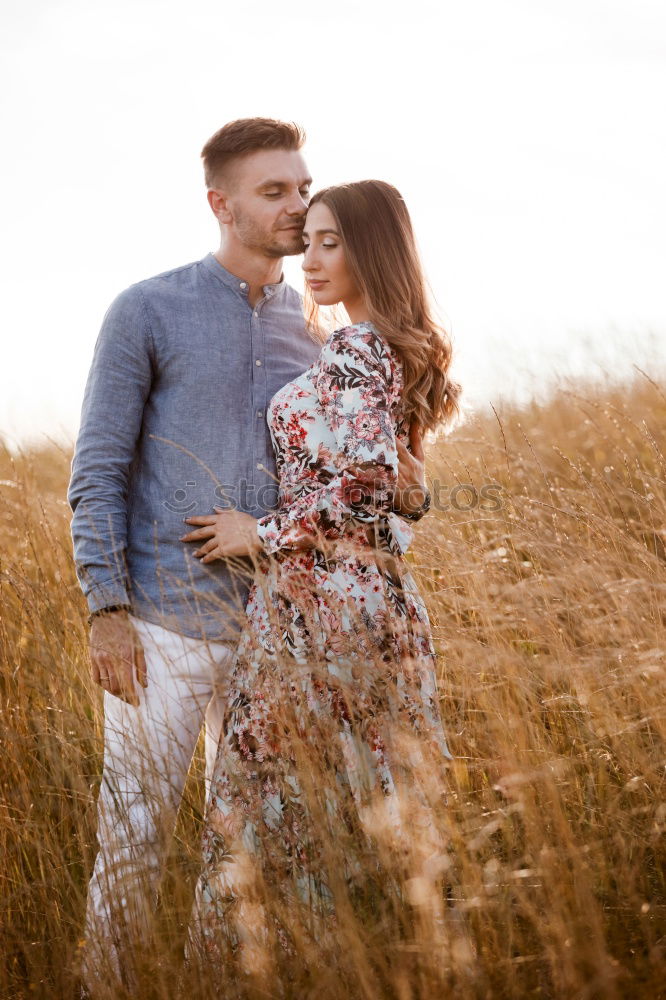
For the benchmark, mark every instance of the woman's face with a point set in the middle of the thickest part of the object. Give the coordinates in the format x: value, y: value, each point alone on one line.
x: 324, y: 262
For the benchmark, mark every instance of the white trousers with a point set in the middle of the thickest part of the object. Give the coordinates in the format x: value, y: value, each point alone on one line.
x: 147, y: 754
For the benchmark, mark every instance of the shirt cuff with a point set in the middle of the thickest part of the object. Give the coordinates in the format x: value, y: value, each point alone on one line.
x: 105, y: 595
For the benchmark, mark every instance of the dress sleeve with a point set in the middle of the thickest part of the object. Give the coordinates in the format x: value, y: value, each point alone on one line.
x: 355, y: 385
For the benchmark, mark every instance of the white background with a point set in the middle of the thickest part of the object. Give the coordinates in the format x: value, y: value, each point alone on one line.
x: 528, y: 138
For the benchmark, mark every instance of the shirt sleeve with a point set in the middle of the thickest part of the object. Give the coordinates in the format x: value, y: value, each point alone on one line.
x: 354, y: 385
x: 118, y: 385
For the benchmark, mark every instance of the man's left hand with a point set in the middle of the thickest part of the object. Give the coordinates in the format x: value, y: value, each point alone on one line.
x: 224, y: 535
x: 411, y: 488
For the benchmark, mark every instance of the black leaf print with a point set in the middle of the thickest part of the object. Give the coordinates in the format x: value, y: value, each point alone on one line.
x: 396, y: 593
x: 347, y: 377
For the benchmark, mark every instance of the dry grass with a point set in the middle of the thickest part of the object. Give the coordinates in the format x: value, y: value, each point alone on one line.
x: 549, y: 613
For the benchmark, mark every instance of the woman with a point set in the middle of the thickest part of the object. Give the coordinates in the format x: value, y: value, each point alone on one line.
x: 336, y: 660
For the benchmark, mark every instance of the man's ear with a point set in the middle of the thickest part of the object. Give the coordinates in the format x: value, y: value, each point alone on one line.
x: 219, y: 203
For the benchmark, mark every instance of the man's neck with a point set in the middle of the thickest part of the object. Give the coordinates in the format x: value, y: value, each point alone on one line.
x: 257, y: 271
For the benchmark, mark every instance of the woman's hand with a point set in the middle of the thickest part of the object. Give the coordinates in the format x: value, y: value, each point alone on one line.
x: 225, y: 534
x: 411, y: 487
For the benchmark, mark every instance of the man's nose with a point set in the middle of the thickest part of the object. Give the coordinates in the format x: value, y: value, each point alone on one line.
x: 297, y: 204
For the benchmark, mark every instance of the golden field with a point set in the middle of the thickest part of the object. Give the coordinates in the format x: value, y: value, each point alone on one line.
x: 549, y: 610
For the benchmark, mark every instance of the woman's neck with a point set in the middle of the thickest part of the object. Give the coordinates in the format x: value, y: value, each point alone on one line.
x: 357, y: 310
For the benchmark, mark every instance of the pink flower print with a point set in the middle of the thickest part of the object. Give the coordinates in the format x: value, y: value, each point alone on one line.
x: 375, y: 741
x: 367, y: 426
x: 381, y: 619
x: 296, y: 428
x: 353, y: 494
x: 338, y: 643
x: 325, y: 393
x: 228, y: 826
x: 339, y: 706
x: 329, y: 618
x: 324, y: 458
x: 249, y: 746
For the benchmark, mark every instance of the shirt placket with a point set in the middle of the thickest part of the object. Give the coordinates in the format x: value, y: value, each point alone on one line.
x: 259, y: 384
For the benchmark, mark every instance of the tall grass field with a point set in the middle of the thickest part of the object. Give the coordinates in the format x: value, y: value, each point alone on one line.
x: 543, y: 564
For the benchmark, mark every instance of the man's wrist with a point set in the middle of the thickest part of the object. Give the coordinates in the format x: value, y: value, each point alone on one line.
x: 108, y: 610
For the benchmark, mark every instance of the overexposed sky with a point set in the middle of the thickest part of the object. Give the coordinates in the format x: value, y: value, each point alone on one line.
x: 528, y: 138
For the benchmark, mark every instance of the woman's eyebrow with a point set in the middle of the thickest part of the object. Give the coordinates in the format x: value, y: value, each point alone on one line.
x: 322, y: 232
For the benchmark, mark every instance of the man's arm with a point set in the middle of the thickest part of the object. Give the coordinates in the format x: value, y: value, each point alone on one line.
x: 116, y: 391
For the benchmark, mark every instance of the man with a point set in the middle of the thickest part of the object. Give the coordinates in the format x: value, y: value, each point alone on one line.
x: 174, y: 424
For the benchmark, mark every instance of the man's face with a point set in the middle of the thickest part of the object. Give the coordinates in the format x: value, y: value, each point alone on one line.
x: 267, y: 198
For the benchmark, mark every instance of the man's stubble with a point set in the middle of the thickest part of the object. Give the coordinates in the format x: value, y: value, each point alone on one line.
x: 271, y: 243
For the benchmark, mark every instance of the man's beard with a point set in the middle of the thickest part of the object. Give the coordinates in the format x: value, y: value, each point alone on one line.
x: 272, y: 243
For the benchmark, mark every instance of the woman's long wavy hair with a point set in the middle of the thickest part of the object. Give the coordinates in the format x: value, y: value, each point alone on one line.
x: 380, y: 252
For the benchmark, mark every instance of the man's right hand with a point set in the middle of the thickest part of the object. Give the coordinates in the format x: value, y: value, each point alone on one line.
x: 116, y: 654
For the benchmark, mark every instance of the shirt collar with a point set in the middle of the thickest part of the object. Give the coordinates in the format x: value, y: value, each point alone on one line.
x: 212, y: 264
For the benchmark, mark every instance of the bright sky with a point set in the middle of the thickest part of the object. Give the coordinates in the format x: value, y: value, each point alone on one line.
x: 528, y: 138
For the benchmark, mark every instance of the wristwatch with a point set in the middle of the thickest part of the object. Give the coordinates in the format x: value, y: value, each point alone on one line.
x: 107, y: 611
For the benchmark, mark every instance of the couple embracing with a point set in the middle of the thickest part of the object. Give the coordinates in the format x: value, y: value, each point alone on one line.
x: 233, y: 456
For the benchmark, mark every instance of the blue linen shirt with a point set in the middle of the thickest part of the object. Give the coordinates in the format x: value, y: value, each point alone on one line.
x: 173, y: 423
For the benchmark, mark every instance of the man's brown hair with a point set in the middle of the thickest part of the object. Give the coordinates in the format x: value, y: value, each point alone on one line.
x: 247, y: 135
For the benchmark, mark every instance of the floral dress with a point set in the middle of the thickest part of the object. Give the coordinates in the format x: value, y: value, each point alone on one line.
x: 337, y: 636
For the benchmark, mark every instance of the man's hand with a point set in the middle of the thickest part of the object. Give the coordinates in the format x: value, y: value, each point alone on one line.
x: 225, y: 534
x: 115, y: 654
x: 411, y: 488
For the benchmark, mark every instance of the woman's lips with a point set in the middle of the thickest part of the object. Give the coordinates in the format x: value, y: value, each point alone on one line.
x: 314, y: 285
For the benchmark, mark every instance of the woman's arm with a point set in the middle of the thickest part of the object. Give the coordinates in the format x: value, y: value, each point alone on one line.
x: 355, y: 386
x: 412, y: 496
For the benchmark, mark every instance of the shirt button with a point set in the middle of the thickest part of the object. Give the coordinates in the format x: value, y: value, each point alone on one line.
x: 258, y: 363
x: 260, y: 413
x: 259, y: 465
x: 243, y: 285
x: 256, y: 312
